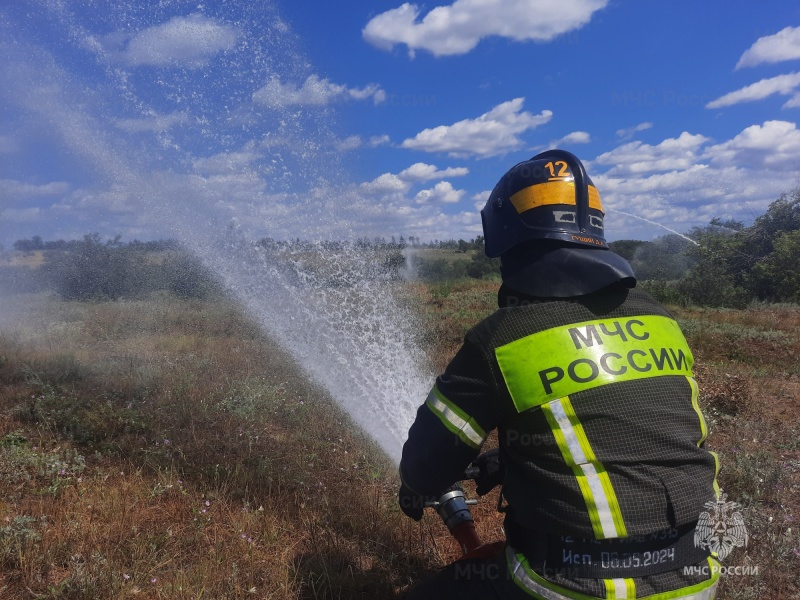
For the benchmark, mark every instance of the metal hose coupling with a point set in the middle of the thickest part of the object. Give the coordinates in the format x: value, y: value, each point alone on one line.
x: 453, y: 506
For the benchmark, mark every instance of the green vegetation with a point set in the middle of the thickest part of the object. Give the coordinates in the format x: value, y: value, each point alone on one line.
x: 728, y: 265
x: 93, y: 270
x: 452, y: 260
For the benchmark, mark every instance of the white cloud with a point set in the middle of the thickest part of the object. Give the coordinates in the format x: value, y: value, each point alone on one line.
x: 182, y: 41
x: 576, y: 137
x: 493, y: 133
x: 153, y: 122
x: 781, y: 84
x: 638, y: 158
x: 13, y: 191
x: 679, y: 200
x: 378, y: 140
x: 457, y: 29
x: 631, y: 131
x: 784, y: 45
x: 442, y: 192
x: 480, y: 199
x: 353, y: 142
x: 774, y: 144
x: 388, y: 183
x: 424, y: 172
x: 686, y: 181
x: 313, y: 92
x: 793, y: 102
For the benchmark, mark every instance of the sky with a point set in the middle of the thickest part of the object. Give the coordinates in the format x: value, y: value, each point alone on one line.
x: 322, y: 119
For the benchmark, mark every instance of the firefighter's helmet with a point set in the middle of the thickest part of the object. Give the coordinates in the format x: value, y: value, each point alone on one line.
x: 549, y: 197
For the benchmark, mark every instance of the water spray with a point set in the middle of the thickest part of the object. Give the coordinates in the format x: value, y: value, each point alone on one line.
x: 627, y: 214
x: 230, y: 172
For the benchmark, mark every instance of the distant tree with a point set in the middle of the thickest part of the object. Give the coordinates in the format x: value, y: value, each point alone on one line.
x: 480, y: 265
x: 625, y: 248
x: 782, y: 215
x: 718, y: 264
x: 733, y: 264
x: 730, y: 224
x: 664, y: 259
x: 31, y: 245
x: 89, y: 270
x: 777, y: 276
x: 187, y: 277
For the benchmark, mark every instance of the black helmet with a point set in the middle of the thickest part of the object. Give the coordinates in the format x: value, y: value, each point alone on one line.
x: 549, y: 197
x: 544, y: 219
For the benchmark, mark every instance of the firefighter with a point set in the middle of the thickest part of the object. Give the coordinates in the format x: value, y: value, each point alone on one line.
x: 588, y: 381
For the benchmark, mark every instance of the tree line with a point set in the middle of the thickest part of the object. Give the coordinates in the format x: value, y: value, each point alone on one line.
x: 723, y: 264
x: 91, y: 269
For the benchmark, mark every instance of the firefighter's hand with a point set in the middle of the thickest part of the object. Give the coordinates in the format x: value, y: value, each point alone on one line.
x: 491, y: 471
x: 410, y: 503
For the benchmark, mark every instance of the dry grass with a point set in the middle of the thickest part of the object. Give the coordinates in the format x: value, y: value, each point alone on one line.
x: 747, y: 367
x: 166, y: 449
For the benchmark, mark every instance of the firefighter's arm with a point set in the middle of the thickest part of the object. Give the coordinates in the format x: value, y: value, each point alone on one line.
x: 452, y: 424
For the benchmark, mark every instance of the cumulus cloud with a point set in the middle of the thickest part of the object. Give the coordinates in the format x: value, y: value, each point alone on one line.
x: 638, y: 158
x: 781, y: 84
x: 495, y: 132
x: 773, y: 144
x: 388, y: 183
x: 686, y: 181
x: 153, y: 122
x: 313, y: 92
x: 182, y: 41
x: 480, y: 199
x: 784, y: 45
x: 629, y: 132
x: 425, y: 172
x: 442, y: 192
x: 457, y: 29
x: 576, y: 137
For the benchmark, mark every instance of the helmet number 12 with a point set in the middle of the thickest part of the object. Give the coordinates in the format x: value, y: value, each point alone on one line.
x: 563, y: 169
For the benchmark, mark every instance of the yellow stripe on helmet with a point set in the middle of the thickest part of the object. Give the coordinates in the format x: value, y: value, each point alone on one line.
x: 552, y: 192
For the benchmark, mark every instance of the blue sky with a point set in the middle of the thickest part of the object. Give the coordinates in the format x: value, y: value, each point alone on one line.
x: 320, y: 119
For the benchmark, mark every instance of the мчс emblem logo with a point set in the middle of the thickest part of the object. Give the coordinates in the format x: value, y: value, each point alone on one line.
x: 721, y: 528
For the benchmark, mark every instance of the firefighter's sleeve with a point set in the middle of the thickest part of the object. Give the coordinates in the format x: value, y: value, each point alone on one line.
x: 452, y: 424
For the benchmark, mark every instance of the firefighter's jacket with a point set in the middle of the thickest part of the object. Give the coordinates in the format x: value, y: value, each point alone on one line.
x: 596, y: 410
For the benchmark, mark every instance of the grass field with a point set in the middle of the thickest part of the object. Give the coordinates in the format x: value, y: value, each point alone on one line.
x: 165, y: 448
